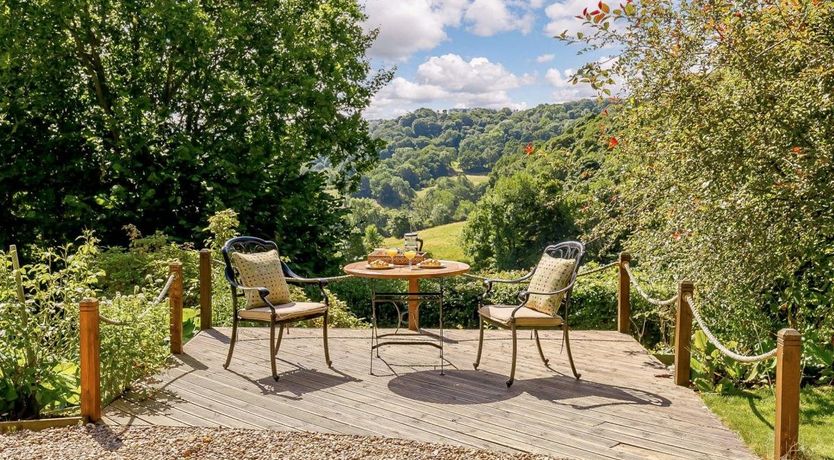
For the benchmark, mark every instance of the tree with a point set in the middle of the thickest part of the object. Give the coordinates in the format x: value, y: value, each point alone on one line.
x: 160, y: 113
x: 513, y: 223
x: 725, y: 145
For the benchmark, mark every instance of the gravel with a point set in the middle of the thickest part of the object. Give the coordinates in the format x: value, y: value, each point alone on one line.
x: 151, y: 443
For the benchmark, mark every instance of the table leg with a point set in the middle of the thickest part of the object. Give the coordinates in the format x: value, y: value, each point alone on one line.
x: 413, y: 305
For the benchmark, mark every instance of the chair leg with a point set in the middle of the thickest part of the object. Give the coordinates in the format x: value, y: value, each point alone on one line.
x: 281, y: 328
x: 515, y: 347
x: 539, y: 346
x: 272, y: 348
x: 480, y: 342
x: 231, y: 343
x: 326, y: 349
x: 570, y: 356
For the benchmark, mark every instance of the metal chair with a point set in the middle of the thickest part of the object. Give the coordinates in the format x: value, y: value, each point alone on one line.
x: 280, y: 315
x: 520, y: 317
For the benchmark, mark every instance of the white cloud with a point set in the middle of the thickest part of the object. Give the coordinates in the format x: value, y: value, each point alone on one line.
x: 563, y: 89
x: 408, y: 26
x: 545, y: 58
x: 450, y: 81
x: 562, y: 14
x: 489, y: 17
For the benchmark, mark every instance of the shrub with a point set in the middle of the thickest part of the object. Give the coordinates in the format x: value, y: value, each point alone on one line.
x: 39, y: 350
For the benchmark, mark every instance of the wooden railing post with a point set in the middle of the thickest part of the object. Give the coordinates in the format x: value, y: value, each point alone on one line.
x: 788, y: 377
x: 624, y: 295
x: 683, y: 334
x: 205, y: 289
x: 88, y: 325
x: 18, y: 280
x: 175, y: 302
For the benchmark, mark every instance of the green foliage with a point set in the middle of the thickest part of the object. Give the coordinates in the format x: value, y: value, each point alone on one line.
x: 39, y: 350
x: 222, y: 227
x: 514, y: 222
x: 372, y: 239
x: 161, y: 113
x: 722, y: 161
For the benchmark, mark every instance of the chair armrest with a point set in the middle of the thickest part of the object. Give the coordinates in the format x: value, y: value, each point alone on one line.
x: 321, y: 280
x: 262, y: 292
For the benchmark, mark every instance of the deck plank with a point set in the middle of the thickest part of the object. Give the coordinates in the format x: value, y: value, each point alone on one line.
x: 624, y: 407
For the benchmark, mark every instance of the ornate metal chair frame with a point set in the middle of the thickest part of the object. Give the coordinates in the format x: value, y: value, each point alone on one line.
x: 567, y: 250
x: 248, y: 244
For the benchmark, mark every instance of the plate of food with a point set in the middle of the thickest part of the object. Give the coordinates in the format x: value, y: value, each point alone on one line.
x: 378, y: 265
x: 431, y: 263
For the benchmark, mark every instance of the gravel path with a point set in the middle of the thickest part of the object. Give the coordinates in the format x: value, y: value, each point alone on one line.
x: 151, y: 443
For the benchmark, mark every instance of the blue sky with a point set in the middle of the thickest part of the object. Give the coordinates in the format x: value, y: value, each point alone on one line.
x: 474, y: 53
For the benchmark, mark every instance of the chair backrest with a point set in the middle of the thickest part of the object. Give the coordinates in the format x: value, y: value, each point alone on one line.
x: 568, y: 250
x: 411, y: 241
x: 246, y: 245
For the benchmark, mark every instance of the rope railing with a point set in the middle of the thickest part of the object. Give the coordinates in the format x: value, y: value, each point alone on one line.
x: 644, y: 294
x: 157, y: 300
x: 720, y: 346
x: 598, y: 269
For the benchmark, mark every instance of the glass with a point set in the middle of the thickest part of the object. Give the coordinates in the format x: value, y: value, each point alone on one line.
x: 410, y: 254
x: 391, y: 252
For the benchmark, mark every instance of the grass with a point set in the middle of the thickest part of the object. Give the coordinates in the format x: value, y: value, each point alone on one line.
x: 751, y: 414
x: 443, y: 241
x: 477, y: 179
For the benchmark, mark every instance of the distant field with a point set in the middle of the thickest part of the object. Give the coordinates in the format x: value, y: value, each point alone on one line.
x: 477, y: 179
x: 442, y: 241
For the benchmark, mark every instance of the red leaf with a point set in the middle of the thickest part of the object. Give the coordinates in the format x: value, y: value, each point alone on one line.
x: 594, y: 13
x: 613, y: 142
x: 529, y: 149
x: 585, y: 12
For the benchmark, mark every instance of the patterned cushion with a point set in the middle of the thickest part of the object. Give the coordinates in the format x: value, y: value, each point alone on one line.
x: 551, y: 274
x: 262, y: 269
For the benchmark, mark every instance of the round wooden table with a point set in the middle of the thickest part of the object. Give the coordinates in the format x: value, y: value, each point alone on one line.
x: 413, y: 276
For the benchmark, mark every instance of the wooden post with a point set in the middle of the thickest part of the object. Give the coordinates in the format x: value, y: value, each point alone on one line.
x: 175, y: 302
x: 788, y: 376
x: 624, y: 296
x: 18, y: 280
x: 683, y: 334
x: 88, y: 325
x: 205, y: 289
x: 413, y: 305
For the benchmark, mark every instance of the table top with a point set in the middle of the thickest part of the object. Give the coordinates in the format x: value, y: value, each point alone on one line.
x: 403, y: 272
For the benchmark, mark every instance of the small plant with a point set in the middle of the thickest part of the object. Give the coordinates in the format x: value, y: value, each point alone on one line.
x: 223, y: 226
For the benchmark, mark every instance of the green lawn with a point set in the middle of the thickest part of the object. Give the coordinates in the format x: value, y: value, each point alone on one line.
x: 442, y: 241
x: 751, y: 414
x: 477, y: 179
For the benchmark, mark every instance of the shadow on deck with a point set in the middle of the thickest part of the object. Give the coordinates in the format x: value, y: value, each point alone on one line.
x: 625, y: 406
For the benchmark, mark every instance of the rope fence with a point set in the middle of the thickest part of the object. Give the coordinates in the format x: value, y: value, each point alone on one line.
x: 598, y: 269
x: 157, y: 301
x: 720, y: 346
x: 644, y: 294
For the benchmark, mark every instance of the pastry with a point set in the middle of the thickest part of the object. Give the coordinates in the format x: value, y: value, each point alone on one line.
x: 430, y: 263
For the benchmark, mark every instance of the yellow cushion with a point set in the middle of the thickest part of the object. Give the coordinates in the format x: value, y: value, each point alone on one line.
x: 283, y: 312
x: 523, y: 317
x: 551, y: 274
x: 262, y: 269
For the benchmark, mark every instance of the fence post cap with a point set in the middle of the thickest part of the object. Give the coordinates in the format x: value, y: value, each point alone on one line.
x: 686, y: 286
x: 625, y: 257
x: 789, y: 336
x: 88, y: 303
x: 205, y: 251
x: 175, y: 265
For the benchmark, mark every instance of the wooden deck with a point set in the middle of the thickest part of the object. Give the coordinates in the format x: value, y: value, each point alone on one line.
x: 625, y: 406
